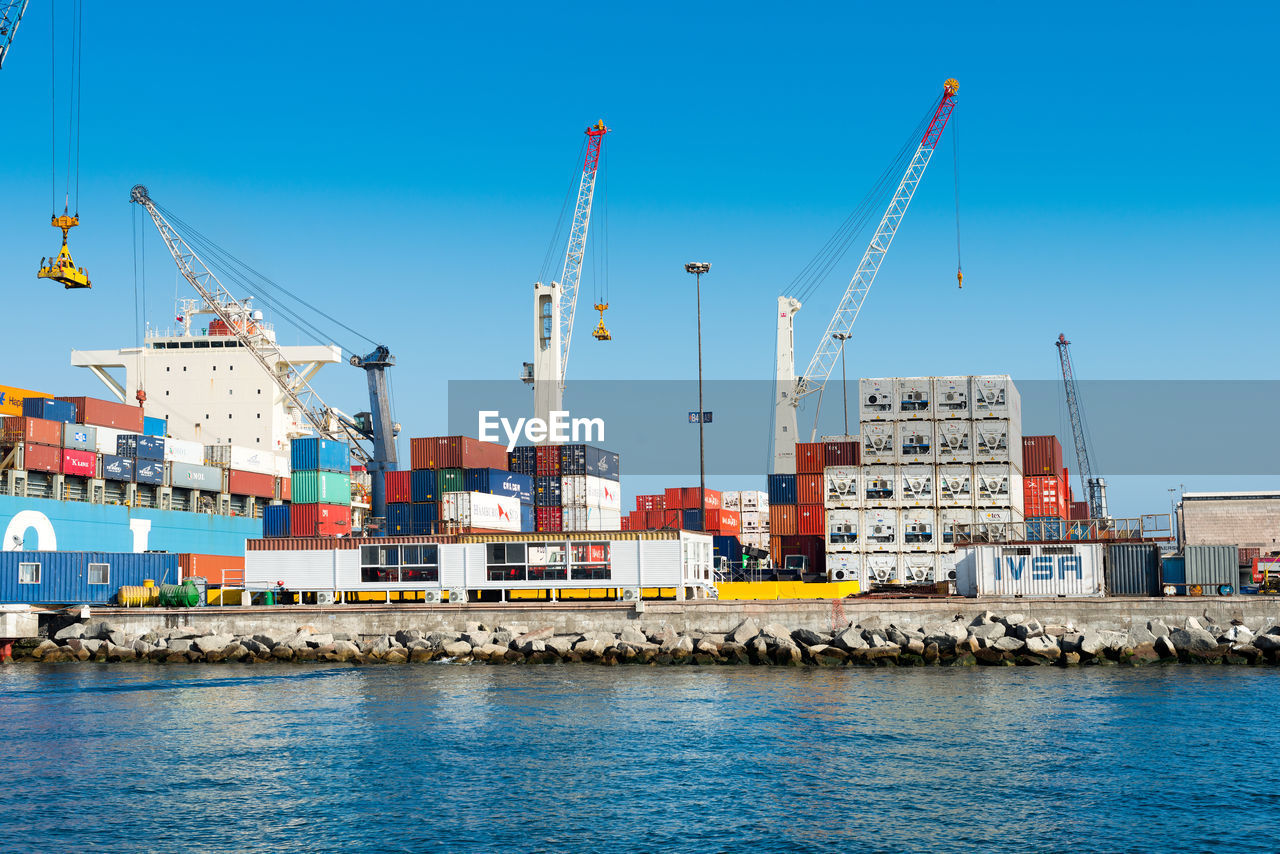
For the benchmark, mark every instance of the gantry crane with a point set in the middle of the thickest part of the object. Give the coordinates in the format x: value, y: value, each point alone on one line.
x: 10, y: 16
x: 791, y: 391
x: 378, y: 429
x: 1095, y: 488
x: 554, y: 303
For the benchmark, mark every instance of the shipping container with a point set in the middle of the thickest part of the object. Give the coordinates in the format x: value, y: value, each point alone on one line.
x: 724, y: 522
x: 995, y: 396
x: 548, y: 460
x: 951, y: 520
x: 284, y: 489
x: 42, y: 458
x: 997, y: 440
x: 1079, y: 511
x: 993, y: 525
x: 915, y: 442
x: 33, y: 431
x: 117, y: 468
x: 997, y: 485
x: 80, y: 437
x: 1041, y: 529
x: 810, y: 548
x: 727, y: 547
x: 953, y: 442
x: 842, y: 529
x: 523, y: 460
x: 782, y: 489
x: 876, y: 402
x: 424, y: 518
x: 108, y: 440
x: 844, y: 566
x: 879, y: 485
x: 810, y: 489
x: 154, y: 426
x: 590, y: 519
x: 204, y: 478
x: 782, y: 519
x: 422, y: 485
x: 422, y: 453
x: 879, y: 440
x: 106, y: 413
x: 183, y: 451
x: 79, y: 578
x: 448, y: 480
x: 140, y: 447
x: 549, y: 519
x: 651, y: 502
x: 322, y: 487
x: 841, y: 486
x: 663, y: 519
x: 880, y: 531
x: 588, y: 460
x: 398, y: 487
x: 918, y: 568
x: 915, y: 398
x: 841, y: 452
x: 79, y: 463
x: 49, y: 409
x: 501, y: 482
x: 730, y: 499
x: 881, y: 568
x: 150, y: 472
x: 399, y: 519
x: 1031, y: 571
x: 691, y: 520
x: 478, y: 510
x: 915, y: 486
x: 686, y: 498
x: 810, y: 457
x: 261, y: 485
x: 319, y: 520
x: 275, y: 520
x: 217, y: 570
x: 1213, y: 569
x: 1044, y: 496
x: 528, y: 520
x: 12, y: 401
x: 463, y: 452
x: 918, y: 529
x: 1041, y: 455
x: 312, y: 453
x: 951, y: 398
x: 242, y: 459
x: 754, y: 499
x: 1133, y: 569
x: 546, y: 491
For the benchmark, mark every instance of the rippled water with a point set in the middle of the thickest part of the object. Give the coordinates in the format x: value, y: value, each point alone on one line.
x: 581, y: 758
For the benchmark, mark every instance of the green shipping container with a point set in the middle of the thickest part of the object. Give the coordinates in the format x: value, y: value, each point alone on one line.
x: 320, y: 487
x: 448, y: 480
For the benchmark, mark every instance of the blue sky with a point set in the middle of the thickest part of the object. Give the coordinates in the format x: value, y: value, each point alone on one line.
x: 405, y: 167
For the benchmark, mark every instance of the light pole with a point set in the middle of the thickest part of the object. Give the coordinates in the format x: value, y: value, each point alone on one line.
x: 844, y: 383
x: 698, y: 268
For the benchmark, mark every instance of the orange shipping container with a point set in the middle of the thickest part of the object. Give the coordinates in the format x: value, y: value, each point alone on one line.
x: 41, y: 458
x: 782, y: 520
x: 422, y: 453
x: 811, y: 520
x: 809, y: 457
x: 726, y: 523
x: 37, y: 431
x: 1045, y: 497
x: 215, y: 569
x: 251, y: 483
x: 809, y: 489
x: 106, y: 413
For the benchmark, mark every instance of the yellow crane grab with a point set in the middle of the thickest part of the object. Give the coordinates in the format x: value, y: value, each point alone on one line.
x: 62, y: 268
x: 600, y: 333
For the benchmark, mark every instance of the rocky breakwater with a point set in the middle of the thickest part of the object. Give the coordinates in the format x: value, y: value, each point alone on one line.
x: 986, y: 640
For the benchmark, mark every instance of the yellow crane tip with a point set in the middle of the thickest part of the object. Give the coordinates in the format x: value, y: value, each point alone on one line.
x: 952, y: 85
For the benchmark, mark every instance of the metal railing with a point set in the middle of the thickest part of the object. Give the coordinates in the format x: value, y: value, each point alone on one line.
x: 1151, y: 528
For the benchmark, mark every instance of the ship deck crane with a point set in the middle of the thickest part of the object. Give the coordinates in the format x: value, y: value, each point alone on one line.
x: 377, y: 428
x: 554, y: 304
x: 10, y: 16
x: 1095, y: 488
x: 790, y: 391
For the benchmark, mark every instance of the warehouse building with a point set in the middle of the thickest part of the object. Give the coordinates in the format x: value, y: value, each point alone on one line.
x: 1249, y: 520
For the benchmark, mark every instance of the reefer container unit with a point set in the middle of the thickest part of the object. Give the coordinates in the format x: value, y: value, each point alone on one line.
x: 953, y: 442
x: 1133, y: 569
x: 275, y: 520
x: 422, y: 485
x: 319, y: 520
x: 880, y: 531
x: 955, y: 486
x: 915, y: 442
x: 810, y: 457
x: 115, y: 468
x: 313, y: 453
x: 998, y: 485
x: 1031, y: 571
x: 949, y: 520
x: 841, y: 484
x: 916, y: 486
x: 79, y: 463
x: 244, y: 459
x: 49, y: 409
x: 79, y: 578
x: 997, y: 440
x: 918, y: 568
x: 995, y: 396
x: 915, y: 398
x: 106, y: 413
x: 844, y: 566
x: 479, y: 510
x: 879, y: 441
x: 263, y: 485
x: 918, y: 529
x: 398, y: 486
x: 1212, y: 568
x: 841, y: 452
x: 842, y: 530
x: 501, y: 482
x: 35, y: 431
x: 951, y: 398
x: 204, y: 478
x: 879, y: 486
x: 1041, y: 456
x: 183, y: 451
x: 321, y: 487
x: 881, y: 568
x: 139, y: 446
x: 782, y: 489
x: 994, y: 525
x: 80, y: 437
x: 876, y: 401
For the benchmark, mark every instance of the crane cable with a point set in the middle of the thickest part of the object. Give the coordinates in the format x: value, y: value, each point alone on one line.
x: 74, y: 101
x: 955, y: 163
x: 570, y: 195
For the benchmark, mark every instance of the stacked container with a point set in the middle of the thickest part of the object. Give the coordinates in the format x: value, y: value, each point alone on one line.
x: 1046, y: 489
x: 575, y: 488
x: 438, y: 465
x: 321, y: 488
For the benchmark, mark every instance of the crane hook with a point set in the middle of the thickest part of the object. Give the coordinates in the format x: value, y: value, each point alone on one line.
x: 959, y: 278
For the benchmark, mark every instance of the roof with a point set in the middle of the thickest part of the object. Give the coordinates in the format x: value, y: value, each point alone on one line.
x: 1229, y: 496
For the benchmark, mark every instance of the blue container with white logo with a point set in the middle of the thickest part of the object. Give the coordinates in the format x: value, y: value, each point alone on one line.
x: 275, y: 520
x: 50, y: 409
x: 316, y: 454
x: 140, y: 447
x: 117, y: 468
x: 422, y: 485
x: 782, y: 489
x: 499, y: 482
x: 154, y: 426
x: 150, y: 472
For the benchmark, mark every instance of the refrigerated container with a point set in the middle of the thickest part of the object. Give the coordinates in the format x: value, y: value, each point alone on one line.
x: 844, y: 566
x: 997, y: 440
x: 183, y: 451
x: 951, y: 520
x: 955, y: 486
x: 918, y: 568
x: 841, y: 483
x: 879, y: 442
x: 951, y: 398
x: 754, y: 499
x: 915, y: 486
x: 915, y: 442
x: 842, y: 529
x: 995, y: 396
x: 918, y: 529
x: 914, y: 398
x: 1047, y: 571
x: 879, y: 485
x: 995, y: 525
x: 481, y: 510
x: 997, y: 485
x: 880, y: 531
x: 880, y: 568
x: 876, y: 401
x: 953, y: 442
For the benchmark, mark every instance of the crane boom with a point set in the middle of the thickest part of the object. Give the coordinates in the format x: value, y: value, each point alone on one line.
x: 1094, y: 488
x: 10, y: 16
x: 571, y: 274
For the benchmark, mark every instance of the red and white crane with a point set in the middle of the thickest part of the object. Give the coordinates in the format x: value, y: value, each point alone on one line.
x: 790, y: 391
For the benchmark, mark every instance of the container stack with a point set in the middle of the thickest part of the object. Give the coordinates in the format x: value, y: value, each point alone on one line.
x: 752, y: 507
x: 321, y: 488
x: 444, y: 469
x: 250, y: 473
x: 800, y: 504
x: 1046, y: 489
x: 575, y: 487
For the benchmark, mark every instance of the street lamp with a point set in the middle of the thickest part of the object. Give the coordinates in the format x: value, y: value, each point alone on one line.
x: 697, y: 268
x: 844, y: 383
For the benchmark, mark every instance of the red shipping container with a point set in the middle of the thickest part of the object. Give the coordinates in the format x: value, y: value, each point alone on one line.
x: 782, y: 520
x: 396, y: 484
x: 422, y: 453
x: 82, y: 463
x: 253, y: 483
x: 1248, y: 556
x: 319, y: 520
x: 1079, y: 511
x: 624, y: 524
x: 547, y: 461
x: 811, y: 520
x: 673, y: 498
x: 106, y: 413
x: 1041, y: 455
x: 41, y: 458
x: 840, y: 453
x: 651, y: 502
x: 37, y: 431
x: 549, y: 518
x: 686, y: 498
x: 809, y: 457
x: 810, y: 489
x: 284, y: 491
x: 1045, y: 497
x: 726, y: 523
x: 215, y: 569
x: 463, y: 452
x: 672, y: 520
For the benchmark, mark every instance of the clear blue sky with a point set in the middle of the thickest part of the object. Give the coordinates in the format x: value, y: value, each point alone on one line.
x: 404, y: 166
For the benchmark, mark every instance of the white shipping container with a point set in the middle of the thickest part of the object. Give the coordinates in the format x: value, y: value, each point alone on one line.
x: 842, y: 530
x: 915, y: 442
x: 480, y: 510
x: 183, y: 451
x: 605, y: 494
x: 997, y: 485
x: 995, y: 396
x: 844, y: 566
x: 880, y: 568
x: 283, y: 465
x: 756, y: 539
x: 880, y: 531
x: 1031, y: 571
x: 997, y: 440
x: 879, y: 486
x: 915, y: 398
x: 240, y: 459
x: 841, y: 484
x: 878, y: 442
x: 105, y: 440
x: 918, y: 529
x: 955, y: 486
x: 995, y: 525
x: 915, y: 486
x: 953, y: 442
x: 947, y: 567
x: 730, y: 500
x: 952, y: 398
x: 918, y: 568
x: 876, y: 401
x: 753, y: 520
x: 951, y: 520
x: 591, y: 519
x: 754, y: 499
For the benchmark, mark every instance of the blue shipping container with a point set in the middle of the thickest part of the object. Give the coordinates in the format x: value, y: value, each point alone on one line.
x: 316, y: 454
x: 422, y: 518
x: 117, y: 468
x: 691, y: 520
x: 79, y: 578
x: 523, y: 460
x: 53, y: 410
x: 782, y: 489
x: 422, y: 485
x: 547, y: 491
x: 499, y: 482
x: 275, y: 520
x: 528, y: 522
x: 1046, y: 529
x: 587, y: 459
x: 140, y: 447
x: 149, y: 472
x: 727, y: 547
x: 1173, y: 570
x: 154, y: 426
x: 602, y: 463
x: 399, y: 519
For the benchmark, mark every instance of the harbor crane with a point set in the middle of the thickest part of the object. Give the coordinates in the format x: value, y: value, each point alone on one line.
x: 1095, y: 488
x: 376, y: 426
x: 10, y: 16
x: 790, y: 391
x: 554, y: 304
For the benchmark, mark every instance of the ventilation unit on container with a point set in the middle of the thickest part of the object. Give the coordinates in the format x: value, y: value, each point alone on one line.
x: 842, y: 530
x: 844, y: 566
x: 915, y: 486
x: 915, y: 441
x: 876, y: 401
x: 946, y: 568
x: 953, y: 441
x: 955, y: 486
x: 880, y: 530
x: 997, y: 485
x: 878, y: 485
x: 993, y: 526
x: 878, y: 442
x: 917, y: 527
x: 996, y: 440
x: 918, y: 568
x: 915, y: 398
x: 842, y: 486
x: 951, y: 520
x: 995, y: 396
x: 951, y: 398
x: 880, y: 568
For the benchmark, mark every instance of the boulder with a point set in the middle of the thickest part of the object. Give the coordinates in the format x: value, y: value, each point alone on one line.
x: 98, y: 630
x: 1012, y: 620
x: 1031, y: 628
x: 420, y: 654
x: 946, y: 635
x: 678, y: 646
x: 1092, y: 643
x: 531, y: 647
x: 1043, y: 647
x: 987, y: 631
x: 708, y: 646
x: 404, y: 636
x: 326, y: 639
x: 1267, y: 642
x: 235, y: 652
x: 735, y: 653
x: 983, y: 619
x: 589, y: 648
x: 212, y: 643
x: 142, y: 648
x: 91, y: 644
x: 283, y: 652
x: 632, y: 635
x: 396, y: 655
x: 743, y: 632
x: 344, y: 650
x: 787, y: 654
x: 1164, y: 647
x: 1238, y: 635
x: 545, y: 632
x: 807, y: 637
x: 1140, y: 635
x: 439, y: 639
x: 851, y: 639
x: 559, y: 645
x: 502, y: 638
x: 268, y: 641
x: 477, y: 638
x: 178, y: 645
x: 1007, y: 644
x: 872, y: 623
x: 661, y: 635
x: 118, y: 638
x: 43, y: 649
x: 1158, y: 628
x: 931, y: 653
x: 1193, y: 638
x: 776, y: 633
x: 497, y: 652
x: 75, y: 630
